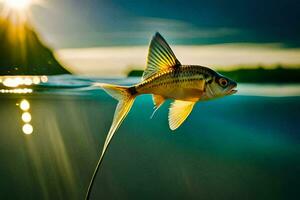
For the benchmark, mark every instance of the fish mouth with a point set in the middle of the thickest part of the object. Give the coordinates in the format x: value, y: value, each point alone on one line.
x: 232, y: 90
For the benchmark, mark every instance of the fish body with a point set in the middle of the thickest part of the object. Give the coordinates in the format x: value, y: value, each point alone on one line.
x: 166, y: 78
x: 185, y: 82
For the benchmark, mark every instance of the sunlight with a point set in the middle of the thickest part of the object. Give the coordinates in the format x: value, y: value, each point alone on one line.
x: 15, y: 17
x: 16, y: 81
x: 18, y: 11
x: 16, y: 91
x: 18, y: 4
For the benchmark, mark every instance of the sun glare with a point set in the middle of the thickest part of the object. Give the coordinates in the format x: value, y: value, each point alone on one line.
x: 17, y: 10
x: 18, y: 4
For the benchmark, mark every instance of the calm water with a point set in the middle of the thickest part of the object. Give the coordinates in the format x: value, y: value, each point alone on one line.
x: 245, y: 146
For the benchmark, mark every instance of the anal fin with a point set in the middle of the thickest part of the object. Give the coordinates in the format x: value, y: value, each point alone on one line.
x: 178, y: 112
x: 158, y: 100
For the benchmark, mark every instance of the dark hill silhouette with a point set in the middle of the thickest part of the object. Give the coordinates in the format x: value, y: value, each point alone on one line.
x: 254, y: 75
x: 23, y: 53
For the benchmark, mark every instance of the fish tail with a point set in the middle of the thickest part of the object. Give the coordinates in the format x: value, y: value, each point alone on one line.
x: 125, y: 96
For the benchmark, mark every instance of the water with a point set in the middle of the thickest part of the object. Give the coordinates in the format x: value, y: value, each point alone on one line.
x: 245, y: 146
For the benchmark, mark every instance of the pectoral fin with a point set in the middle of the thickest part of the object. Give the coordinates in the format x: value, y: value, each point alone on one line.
x: 178, y: 112
x: 158, y: 101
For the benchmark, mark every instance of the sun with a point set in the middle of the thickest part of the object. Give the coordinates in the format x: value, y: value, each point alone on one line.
x: 19, y: 5
x: 17, y: 11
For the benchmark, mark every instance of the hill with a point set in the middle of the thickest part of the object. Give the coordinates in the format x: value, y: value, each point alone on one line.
x: 262, y: 75
x: 257, y: 75
x: 23, y: 53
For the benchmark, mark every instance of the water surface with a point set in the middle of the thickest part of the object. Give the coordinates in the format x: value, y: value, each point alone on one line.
x: 245, y: 146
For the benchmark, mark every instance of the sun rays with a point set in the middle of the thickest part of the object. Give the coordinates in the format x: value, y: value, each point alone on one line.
x: 15, y: 21
x: 17, y: 11
x: 18, y: 4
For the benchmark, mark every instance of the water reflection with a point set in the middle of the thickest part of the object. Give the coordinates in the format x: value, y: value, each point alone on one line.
x: 55, y: 159
x: 16, y: 91
x: 24, y: 105
x: 44, y: 79
x: 16, y: 81
x: 27, y: 129
x: 51, y: 150
x: 26, y: 117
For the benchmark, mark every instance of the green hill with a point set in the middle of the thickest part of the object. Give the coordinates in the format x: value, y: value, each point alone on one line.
x: 262, y: 75
x: 257, y: 75
x: 23, y: 53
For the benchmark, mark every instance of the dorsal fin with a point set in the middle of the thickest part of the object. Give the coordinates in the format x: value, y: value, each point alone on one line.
x: 160, y: 57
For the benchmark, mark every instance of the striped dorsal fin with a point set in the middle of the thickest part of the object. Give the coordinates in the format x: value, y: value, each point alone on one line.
x: 160, y: 57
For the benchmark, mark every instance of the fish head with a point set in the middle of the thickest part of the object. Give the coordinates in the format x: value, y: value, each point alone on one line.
x: 219, y: 86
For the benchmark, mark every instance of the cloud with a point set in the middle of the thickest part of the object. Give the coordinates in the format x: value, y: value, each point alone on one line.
x: 138, y: 31
x: 184, y: 30
x: 118, y: 60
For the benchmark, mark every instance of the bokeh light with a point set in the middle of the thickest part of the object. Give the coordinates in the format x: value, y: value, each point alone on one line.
x: 12, y: 81
x: 27, y: 129
x: 44, y: 79
x: 24, y: 105
x: 16, y: 91
x: 26, y: 117
x: 27, y: 81
x: 36, y: 80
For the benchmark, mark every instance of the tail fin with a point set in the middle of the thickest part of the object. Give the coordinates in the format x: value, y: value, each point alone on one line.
x: 126, y: 99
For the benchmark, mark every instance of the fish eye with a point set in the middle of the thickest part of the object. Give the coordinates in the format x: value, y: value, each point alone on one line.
x: 223, y: 82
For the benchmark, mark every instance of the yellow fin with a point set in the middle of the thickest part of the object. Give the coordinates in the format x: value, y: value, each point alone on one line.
x: 122, y: 94
x: 178, y: 112
x: 160, y: 57
x: 126, y: 99
x: 158, y: 100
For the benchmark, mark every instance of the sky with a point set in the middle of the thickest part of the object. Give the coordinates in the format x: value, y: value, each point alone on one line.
x: 86, y: 23
x: 210, y: 32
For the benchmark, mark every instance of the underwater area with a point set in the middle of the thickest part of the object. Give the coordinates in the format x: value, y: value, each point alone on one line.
x: 245, y: 146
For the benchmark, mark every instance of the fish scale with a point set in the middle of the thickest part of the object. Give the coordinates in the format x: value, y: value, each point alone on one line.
x: 185, y: 76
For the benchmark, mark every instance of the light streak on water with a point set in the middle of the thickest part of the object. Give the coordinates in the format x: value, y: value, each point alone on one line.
x: 16, y: 91
x: 27, y: 128
x: 16, y: 81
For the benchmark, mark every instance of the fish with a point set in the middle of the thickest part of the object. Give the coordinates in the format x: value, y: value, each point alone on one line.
x: 166, y: 78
